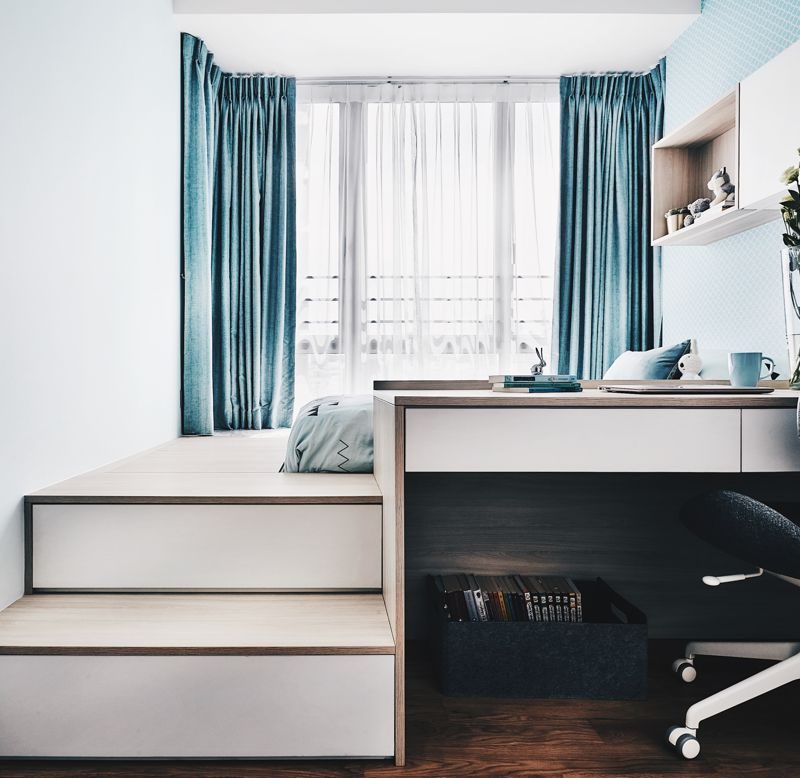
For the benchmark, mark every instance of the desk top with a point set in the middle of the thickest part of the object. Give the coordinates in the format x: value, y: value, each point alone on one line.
x: 589, y: 398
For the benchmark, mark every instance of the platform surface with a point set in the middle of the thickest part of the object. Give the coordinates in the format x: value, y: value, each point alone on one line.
x: 262, y: 624
x: 226, y: 467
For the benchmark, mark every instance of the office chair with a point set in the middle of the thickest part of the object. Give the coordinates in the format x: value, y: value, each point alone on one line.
x: 751, y: 531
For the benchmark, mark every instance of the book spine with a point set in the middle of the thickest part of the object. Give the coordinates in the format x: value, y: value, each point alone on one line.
x: 469, y: 598
x: 526, y: 595
x: 505, y: 615
x: 533, y: 379
x: 535, y: 599
x: 536, y: 390
x: 551, y: 600
x: 478, y: 595
x: 437, y: 585
x: 576, y: 593
x: 455, y: 598
x: 539, y: 386
x: 488, y: 600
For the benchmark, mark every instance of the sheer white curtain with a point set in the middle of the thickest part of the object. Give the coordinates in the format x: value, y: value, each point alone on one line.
x: 427, y: 217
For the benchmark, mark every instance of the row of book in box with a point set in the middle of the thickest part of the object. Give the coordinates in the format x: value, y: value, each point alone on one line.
x: 470, y: 597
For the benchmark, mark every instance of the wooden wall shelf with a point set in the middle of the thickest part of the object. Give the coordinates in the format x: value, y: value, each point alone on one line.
x: 683, y: 162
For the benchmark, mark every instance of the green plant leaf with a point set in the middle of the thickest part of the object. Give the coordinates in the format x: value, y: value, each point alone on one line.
x: 790, y: 175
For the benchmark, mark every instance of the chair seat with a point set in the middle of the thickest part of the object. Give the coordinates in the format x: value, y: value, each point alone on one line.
x: 747, y: 529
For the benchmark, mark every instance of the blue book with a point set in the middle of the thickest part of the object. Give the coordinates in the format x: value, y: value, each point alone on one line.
x: 533, y: 384
x: 531, y: 379
x: 543, y: 389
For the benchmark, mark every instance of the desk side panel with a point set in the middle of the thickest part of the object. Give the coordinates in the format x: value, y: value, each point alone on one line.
x: 390, y: 475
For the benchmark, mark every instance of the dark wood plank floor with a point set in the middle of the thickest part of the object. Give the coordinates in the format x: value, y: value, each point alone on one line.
x: 452, y: 737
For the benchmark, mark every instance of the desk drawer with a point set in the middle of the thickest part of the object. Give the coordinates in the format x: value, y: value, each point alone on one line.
x: 207, y: 547
x: 630, y: 440
x: 769, y: 440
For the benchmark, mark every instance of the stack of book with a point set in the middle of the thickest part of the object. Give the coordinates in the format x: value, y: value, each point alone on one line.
x: 534, y: 383
x: 469, y: 597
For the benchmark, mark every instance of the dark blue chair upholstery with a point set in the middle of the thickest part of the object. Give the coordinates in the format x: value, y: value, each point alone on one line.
x: 747, y: 529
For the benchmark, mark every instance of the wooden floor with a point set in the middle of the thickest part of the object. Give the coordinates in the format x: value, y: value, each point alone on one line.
x: 457, y: 738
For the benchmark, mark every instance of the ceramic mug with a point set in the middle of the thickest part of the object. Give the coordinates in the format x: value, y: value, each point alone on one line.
x: 745, y: 367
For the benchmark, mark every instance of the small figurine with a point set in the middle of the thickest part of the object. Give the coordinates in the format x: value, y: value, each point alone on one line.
x: 538, y: 368
x: 695, y: 209
x: 690, y: 363
x: 674, y: 219
x: 720, y: 184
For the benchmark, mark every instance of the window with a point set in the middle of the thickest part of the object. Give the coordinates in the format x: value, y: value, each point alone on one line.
x: 427, y: 218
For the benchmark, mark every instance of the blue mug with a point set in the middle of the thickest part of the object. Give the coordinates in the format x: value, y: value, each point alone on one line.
x: 745, y: 367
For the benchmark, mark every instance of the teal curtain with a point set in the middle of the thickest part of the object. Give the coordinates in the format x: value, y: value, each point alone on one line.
x: 608, y: 279
x: 239, y: 251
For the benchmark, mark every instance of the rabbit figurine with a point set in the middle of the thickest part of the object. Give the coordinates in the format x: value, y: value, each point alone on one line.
x: 690, y: 364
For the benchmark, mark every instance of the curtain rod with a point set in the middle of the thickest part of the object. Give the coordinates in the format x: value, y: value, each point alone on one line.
x: 313, y: 81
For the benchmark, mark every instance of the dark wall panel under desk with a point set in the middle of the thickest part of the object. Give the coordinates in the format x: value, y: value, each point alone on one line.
x: 622, y: 527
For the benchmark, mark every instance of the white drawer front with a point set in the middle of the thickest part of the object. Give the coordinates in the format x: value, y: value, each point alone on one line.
x: 626, y: 440
x: 197, y: 706
x: 206, y: 547
x: 769, y: 440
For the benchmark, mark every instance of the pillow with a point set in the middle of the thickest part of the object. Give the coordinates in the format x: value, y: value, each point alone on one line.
x: 332, y: 435
x: 656, y: 364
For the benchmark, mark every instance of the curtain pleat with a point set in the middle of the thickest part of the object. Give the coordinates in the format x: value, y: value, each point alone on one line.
x: 239, y: 250
x: 608, y: 286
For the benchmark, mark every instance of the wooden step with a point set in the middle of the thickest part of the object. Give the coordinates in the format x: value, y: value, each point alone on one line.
x: 267, y: 624
x: 205, y: 514
x: 205, y: 676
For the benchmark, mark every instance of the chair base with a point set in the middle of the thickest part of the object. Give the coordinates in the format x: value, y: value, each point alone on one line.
x: 787, y: 669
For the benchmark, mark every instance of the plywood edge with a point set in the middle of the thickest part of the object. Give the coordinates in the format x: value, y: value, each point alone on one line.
x: 28, y: 545
x: 400, y: 628
x: 155, y: 650
x: 611, y: 401
x: 719, y: 117
x: 48, y: 498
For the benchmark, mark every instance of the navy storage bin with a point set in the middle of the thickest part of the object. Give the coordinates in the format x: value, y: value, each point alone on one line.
x: 602, y: 658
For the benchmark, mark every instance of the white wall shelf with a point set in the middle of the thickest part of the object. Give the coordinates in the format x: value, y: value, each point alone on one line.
x: 711, y: 228
x: 752, y: 132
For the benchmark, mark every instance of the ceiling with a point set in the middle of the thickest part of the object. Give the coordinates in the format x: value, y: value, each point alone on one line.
x: 251, y: 36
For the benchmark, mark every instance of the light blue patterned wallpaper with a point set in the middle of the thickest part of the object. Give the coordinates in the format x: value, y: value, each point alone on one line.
x: 728, y: 294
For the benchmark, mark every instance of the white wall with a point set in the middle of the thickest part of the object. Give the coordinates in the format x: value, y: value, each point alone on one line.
x: 89, y: 243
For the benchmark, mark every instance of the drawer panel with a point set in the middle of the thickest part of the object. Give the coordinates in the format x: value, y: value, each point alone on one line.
x: 196, y: 706
x: 212, y: 547
x: 626, y: 440
x: 769, y: 440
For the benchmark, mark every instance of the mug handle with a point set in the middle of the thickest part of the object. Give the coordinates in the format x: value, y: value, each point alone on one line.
x: 769, y: 364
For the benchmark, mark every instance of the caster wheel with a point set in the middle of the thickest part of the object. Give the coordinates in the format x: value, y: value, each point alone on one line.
x: 684, y: 669
x: 688, y: 746
x: 684, y: 742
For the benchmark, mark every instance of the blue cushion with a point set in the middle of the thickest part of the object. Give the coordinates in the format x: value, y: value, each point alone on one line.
x: 657, y: 364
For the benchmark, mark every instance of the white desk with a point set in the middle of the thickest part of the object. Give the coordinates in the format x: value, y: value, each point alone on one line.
x: 479, y: 431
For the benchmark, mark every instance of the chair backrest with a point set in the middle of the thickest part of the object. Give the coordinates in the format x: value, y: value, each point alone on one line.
x: 747, y: 529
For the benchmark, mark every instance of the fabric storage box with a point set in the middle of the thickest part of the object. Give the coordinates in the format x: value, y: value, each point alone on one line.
x: 604, y: 657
